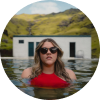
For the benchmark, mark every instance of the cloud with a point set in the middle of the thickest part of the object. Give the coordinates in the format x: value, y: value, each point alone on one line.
x: 44, y: 8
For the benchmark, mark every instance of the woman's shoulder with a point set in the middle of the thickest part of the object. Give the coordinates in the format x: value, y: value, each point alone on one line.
x: 71, y: 74
x: 26, y: 73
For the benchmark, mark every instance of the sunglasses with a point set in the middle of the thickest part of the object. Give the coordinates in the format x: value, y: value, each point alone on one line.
x: 45, y: 50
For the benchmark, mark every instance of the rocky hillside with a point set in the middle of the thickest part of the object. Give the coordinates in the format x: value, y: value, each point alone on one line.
x: 69, y: 22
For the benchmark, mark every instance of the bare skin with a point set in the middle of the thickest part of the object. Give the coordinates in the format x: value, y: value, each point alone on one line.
x: 48, y: 64
x: 27, y: 72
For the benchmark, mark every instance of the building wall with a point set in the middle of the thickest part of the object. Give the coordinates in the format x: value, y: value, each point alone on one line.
x: 83, y: 45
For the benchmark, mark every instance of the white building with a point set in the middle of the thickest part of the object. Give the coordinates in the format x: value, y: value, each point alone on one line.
x: 73, y: 46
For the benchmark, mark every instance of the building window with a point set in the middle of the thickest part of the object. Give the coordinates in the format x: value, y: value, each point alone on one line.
x: 37, y: 43
x: 21, y: 41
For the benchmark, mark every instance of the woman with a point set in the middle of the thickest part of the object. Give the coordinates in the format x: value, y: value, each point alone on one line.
x: 49, y: 70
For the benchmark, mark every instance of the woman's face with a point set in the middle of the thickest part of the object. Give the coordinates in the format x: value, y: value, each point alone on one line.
x: 48, y: 58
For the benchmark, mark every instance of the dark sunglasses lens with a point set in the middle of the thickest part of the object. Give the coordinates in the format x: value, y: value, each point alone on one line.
x: 43, y: 50
x: 53, y: 50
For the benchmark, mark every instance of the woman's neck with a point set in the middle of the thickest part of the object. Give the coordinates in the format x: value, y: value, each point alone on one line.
x: 48, y: 69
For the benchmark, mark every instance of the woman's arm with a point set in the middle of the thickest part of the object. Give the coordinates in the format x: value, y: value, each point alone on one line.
x: 26, y: 73
x: 71, y: 74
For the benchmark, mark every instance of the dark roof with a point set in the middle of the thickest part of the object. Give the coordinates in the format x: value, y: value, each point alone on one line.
x: 51, y: 35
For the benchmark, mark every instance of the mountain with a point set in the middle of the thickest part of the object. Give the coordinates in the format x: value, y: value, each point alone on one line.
x: 69, y: 22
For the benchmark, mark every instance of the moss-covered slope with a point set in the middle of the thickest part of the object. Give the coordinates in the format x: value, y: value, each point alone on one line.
x: 69, y: 22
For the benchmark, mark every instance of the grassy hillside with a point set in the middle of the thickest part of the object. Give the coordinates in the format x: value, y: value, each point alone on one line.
x: 69, y: 22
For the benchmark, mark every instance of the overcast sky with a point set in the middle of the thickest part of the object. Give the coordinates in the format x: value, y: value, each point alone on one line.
x: 45, y: 7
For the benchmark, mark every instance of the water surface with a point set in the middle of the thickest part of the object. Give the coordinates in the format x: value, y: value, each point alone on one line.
x: 84, y: 70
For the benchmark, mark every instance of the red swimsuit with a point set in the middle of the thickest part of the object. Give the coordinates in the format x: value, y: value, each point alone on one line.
x: 49, y: 81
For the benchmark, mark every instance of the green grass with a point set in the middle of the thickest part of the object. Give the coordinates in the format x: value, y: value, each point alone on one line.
x: 52, y: 24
